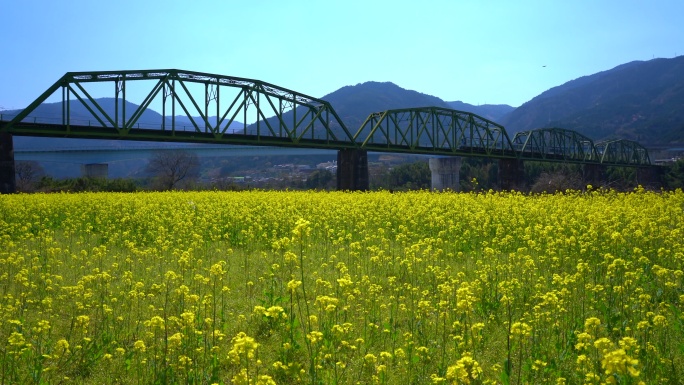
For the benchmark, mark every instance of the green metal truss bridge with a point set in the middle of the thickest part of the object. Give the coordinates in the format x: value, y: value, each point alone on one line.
x: 216, y: 109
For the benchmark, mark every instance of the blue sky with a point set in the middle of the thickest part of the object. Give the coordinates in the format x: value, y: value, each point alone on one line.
x: 487, y: 51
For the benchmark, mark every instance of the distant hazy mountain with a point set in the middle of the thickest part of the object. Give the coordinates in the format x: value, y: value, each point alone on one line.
x: 354, y: 103
x: 52, y: 113
x: 641, y: 101
x: 495, y: 112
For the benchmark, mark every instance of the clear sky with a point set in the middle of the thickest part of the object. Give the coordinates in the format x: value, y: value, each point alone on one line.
x: 476, y: 51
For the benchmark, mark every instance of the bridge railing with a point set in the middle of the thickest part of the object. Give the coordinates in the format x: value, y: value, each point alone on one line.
x: 87, y: 122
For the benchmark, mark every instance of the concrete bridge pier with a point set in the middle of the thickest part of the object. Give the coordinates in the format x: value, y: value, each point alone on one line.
x: 512, y: 175
x: 594, y: 174
x: 650, y: 176
x: 445, y: 173
x: 352, y: 170
x: 8, y: 183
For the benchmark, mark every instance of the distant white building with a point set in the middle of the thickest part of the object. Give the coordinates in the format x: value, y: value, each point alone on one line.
x: 330, y: 166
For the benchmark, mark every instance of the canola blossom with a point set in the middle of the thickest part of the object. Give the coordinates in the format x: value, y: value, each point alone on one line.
x: 342, y: 288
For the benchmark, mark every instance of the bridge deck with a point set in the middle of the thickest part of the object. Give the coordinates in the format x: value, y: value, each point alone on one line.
x: 285, y: 118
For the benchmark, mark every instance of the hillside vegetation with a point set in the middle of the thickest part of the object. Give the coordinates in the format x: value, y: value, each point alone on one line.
x: 641, y: 100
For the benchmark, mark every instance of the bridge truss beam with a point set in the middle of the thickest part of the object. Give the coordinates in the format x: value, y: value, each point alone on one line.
x: 555, y: 144
x: 622, y: 152
x: 219, y: 109
x: 434, y: 130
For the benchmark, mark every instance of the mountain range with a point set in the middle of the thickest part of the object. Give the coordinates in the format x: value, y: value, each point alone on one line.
x: 640, y: 100
x: 354, y: 103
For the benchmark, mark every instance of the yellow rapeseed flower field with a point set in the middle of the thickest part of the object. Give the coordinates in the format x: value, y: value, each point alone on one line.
x: 342, y: 288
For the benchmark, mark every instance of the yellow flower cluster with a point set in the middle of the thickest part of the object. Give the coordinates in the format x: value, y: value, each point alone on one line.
x: 330, y: 287
x: 244, y: 347
x: 465, y: 371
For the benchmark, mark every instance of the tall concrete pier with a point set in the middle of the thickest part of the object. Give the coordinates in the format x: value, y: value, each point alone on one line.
x: 650, y: 177
x: 352, y: 170
x: 594, y: 174
x: 445, y: 173
x: 512, y: 174
x: 8, y: 183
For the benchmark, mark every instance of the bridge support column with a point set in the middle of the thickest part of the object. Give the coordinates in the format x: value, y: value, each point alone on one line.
x: 8, y: 183
x: 352, y: 170
x: 445, y: 173
x: 511, y: 174
x: 594, y: 174
x: 650, y: 177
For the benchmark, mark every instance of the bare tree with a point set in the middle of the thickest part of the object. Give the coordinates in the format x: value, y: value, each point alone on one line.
x: 557, y: 182
x: 171, y: 168
x: 27, y: 173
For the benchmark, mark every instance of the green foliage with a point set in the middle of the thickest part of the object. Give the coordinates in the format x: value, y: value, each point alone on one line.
x: 534, y: 170
x: 410, y: 176
x: 621, y: 178
x: 49, y: 184
x: 479, y: 173
x: 320, y: 179
x: 674, y: 175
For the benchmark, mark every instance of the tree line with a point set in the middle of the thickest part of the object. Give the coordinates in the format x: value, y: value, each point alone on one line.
x: 180, y: 169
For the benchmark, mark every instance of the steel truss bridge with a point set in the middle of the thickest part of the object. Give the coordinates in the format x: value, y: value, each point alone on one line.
x: 220, y: 109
